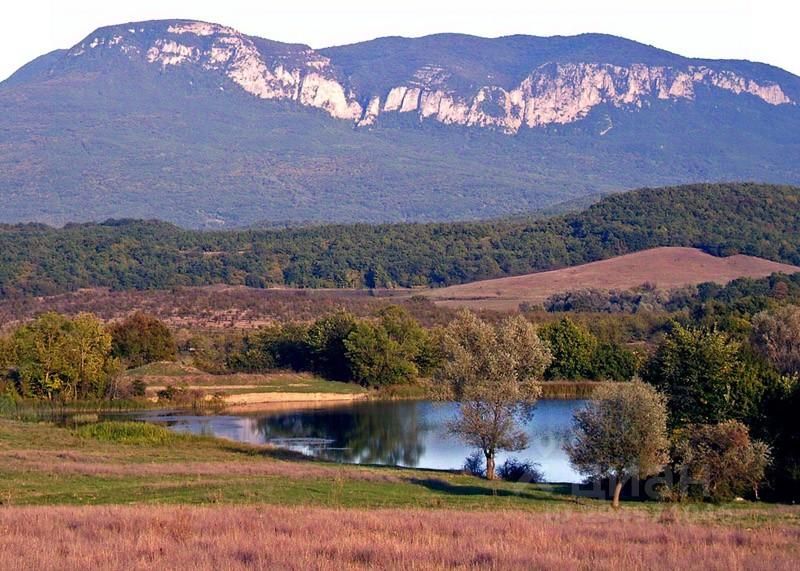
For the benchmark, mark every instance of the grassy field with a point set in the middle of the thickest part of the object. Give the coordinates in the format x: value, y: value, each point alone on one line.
x: 326, y: 538
x: 296, y: 513
x: 121, y: 463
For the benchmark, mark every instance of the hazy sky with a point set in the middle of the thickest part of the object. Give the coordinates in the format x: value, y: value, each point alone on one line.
x: 764, y: 30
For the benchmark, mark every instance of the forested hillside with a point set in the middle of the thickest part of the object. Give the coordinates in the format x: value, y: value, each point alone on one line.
x: 722, y: 219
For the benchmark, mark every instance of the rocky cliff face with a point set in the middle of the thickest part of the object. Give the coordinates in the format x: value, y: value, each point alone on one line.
x: 550, y: 93
x: 198, y: 124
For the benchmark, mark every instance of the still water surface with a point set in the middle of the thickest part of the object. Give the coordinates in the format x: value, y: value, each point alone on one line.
x: 399, y: 433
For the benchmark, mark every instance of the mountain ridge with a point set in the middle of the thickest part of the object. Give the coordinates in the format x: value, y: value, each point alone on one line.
x: 206, y: 127
x: 530, y: 94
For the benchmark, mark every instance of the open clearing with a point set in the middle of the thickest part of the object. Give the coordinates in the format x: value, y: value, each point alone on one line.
x: 666, y: 268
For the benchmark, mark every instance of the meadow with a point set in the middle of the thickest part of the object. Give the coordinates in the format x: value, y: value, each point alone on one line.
x: 120, y: 495
x: 125, y: 537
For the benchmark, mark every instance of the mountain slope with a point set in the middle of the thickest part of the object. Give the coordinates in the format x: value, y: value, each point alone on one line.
x: 200, y: 125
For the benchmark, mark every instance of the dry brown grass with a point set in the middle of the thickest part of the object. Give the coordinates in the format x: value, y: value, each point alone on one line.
x: 219, y: 307
x: 319, y: 538
x: 667, y: 268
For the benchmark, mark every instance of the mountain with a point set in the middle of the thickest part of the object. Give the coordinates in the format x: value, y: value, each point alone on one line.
x: 202, y: 126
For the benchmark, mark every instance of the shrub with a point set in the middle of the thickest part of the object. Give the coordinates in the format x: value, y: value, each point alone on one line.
x: 514, y: 470
x: 139, y: 433
x: 722, y: 458
x: 138, y: 388
x: 475, y: 464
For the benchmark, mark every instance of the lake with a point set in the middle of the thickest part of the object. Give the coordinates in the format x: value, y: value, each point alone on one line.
x: 396, y: 433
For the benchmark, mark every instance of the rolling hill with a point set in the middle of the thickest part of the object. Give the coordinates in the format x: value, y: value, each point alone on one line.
x: 666, y: 268
x: 202, y: 126
x: 722, y: 220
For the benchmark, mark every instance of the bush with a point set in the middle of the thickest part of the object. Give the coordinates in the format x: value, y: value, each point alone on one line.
x: 475, y: 464
x: 182, y: 396
x: 514, y: 470
x: 8, y: 402
x: 138, y: 388
x: 721, y: 459
x: 139, y: 433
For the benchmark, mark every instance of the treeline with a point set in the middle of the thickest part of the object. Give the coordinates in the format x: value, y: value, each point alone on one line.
x: 391, y: 348
x: 721, y: 219
x: 746, y: 295
x: 60, y: 358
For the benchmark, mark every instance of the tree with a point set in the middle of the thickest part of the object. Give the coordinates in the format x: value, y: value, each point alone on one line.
x: 572, y: 347
x: 620, y: 435
x: 59, y: 356
x: 376, y: 359
x: 723, y: 457
x: 614, y: 362
x: 393, y: 349
x: 140, y: 339
x: 783, y: 432
x: 776, y: 335
x: 274, y: 346
x: 40, y: 349
x: 326, y: 345
x: 415, y: 340
x: 89, y: 349
x: 492, y: 372
x: 702, y: 375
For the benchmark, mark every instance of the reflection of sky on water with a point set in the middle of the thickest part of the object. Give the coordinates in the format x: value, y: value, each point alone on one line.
x: 402, y: 433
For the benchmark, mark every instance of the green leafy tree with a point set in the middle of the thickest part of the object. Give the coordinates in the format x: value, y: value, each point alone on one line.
x: 271, y: 347
x: 326, y: 343
x: 783, y: 431
x: 614, y: 362
x: 392, y: 349
x: 89, y: 350
x: 702, y: 375
x: 61, y: 357
x: 621, y: 434
x: 376, y: 358
x: 140, y: 339
x: 572, y: 347
x: 40, y: 349
x: 493, y: 373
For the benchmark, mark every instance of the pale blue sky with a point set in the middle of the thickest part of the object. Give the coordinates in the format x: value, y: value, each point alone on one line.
x: 764, y: 30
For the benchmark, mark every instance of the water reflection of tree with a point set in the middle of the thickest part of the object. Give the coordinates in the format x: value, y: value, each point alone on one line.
x: 377, y: 433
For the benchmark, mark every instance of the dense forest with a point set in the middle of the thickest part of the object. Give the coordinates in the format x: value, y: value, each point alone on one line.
x: 722, y: 219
